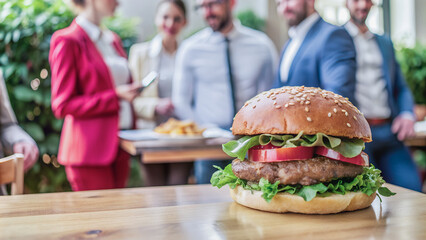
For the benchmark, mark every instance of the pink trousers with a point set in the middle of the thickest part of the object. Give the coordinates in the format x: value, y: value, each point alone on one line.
x: 100, y: 177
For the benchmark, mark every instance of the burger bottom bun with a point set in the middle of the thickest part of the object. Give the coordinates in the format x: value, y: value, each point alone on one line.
x: 285, y: 202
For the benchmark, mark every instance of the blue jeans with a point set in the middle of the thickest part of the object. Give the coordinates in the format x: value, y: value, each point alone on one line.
x: 390, y: 155
x: 203, y: 169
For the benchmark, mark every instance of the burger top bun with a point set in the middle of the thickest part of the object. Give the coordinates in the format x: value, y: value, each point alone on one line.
x: 290, y: 110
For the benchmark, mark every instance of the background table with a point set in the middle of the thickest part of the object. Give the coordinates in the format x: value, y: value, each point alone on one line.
x: 176, y: 151
x: 418, y: 141
x: 198, y: 212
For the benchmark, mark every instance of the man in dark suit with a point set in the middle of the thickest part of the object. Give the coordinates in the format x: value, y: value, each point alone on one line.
x: 384, y: 98
x: 318, y: 54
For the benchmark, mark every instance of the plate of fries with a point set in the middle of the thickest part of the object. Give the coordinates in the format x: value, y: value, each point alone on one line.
x: 180, y: 129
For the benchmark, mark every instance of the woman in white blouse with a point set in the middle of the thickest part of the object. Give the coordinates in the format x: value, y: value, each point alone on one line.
x: 154, y: 105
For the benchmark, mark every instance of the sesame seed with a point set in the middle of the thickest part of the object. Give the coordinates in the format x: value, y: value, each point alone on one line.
x: 291, y: 103
x: 307, y: 102
x: 273, y: 98
x: 309, y: 119
x: 286, y: 105
x: 334, y: 110
x: 306, y: 109
x: 278, y: 106
x: 329, y: 114
x: 347, y: 124
x: 343, y: 110
x: 335, y: 101
x: 302, y: 102
x: 258, y: 99
x: 254, y: 106
x: 355, y: 118
x: 275, y: 102
x: 346, y: 114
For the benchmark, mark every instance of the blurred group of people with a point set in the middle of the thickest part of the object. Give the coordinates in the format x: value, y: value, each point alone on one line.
x: 208, y: 77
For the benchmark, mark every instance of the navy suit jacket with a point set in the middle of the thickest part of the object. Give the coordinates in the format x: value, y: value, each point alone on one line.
x: 400, y: 97
x: 325, y: 59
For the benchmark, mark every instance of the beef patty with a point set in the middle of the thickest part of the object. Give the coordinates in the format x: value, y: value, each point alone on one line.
x: 306, y: 172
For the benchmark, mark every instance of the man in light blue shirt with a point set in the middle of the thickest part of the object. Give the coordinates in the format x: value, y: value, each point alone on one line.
x: 218, y: 69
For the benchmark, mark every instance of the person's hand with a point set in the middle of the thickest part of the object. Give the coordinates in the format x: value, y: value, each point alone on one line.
x: 30, y: 152
x: 403, y: 127
x: 164, y: 107
x: 128, y: 92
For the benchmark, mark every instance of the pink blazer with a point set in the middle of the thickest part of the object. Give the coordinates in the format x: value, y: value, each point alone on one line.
x: 83, y: 93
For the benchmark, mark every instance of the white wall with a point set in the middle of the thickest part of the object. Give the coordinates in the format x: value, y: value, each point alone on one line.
x: 420, y: 19
x: 403, y: 21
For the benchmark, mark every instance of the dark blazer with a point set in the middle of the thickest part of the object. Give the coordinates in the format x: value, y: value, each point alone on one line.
x: 83, y: 92
x: 400, y: 97
x: 325, y: 59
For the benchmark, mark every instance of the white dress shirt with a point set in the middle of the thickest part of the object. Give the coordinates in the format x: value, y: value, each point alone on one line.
x: 201, y: 89
x: 371, y: 92
x: 297, y: 34
x: 166, y: 72
x: 117, y: 65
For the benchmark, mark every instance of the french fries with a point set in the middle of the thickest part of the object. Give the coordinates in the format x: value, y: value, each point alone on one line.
x: 175, y: 127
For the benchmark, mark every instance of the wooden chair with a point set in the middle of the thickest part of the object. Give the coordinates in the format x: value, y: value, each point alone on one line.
x: 12, y: 172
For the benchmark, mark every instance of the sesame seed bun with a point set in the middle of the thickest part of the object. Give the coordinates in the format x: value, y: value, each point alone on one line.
x: 290, y: 110
x: 285, y: 202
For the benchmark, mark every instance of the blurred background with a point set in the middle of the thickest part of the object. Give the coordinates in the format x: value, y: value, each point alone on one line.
x: 26, y: 27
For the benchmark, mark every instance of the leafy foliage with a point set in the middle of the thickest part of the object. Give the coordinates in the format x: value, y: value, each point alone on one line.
x: 420, y: 158
x: 26, y: 27
x: 413, y: 65
x: 249, y: 19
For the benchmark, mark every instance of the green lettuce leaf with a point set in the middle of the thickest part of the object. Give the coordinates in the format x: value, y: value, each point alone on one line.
x: 238, y: 148
x: 347, y: 147
x: 368, y: 182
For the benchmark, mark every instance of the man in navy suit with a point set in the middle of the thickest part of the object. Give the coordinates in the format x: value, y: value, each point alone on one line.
x: 384, y: 98
x: 318, y: 54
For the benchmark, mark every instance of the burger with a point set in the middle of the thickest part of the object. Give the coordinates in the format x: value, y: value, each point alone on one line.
x: 300, y: 150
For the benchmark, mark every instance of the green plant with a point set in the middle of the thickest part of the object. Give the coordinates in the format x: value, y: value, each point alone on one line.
x: 413, y: 65
x: 26, y: 27
x: 249, y: 19
x: 420, y: 158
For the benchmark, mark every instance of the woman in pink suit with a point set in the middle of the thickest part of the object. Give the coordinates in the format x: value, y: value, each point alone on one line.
x: 92, y: 90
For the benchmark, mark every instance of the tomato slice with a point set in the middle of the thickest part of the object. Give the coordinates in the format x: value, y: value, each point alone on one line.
x: 361, y: 159
x: 270, y: 153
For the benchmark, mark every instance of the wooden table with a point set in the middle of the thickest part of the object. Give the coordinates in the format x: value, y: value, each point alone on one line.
x: 198, y: 212
x: 418, y: 141
x: 177, y: 152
